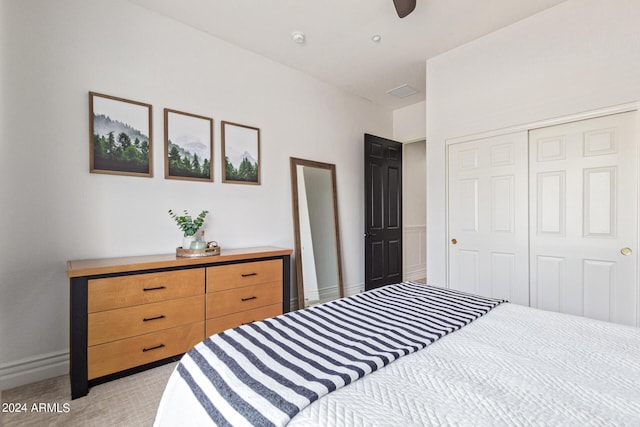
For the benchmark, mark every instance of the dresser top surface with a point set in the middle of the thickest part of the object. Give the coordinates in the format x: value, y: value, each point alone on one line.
x: 90, y: 267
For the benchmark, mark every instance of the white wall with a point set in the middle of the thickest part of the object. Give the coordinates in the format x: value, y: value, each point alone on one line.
x: 410, y: 127
x: 414, y: 196
x: 413, y: 183
x: 581, y: 55
x: 409, y: 123
x: 54, y: 210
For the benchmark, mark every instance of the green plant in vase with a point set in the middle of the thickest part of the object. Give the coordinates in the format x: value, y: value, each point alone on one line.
x: 188, y: 225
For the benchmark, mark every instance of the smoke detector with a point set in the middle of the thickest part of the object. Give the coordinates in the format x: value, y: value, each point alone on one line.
x: 298, y: 37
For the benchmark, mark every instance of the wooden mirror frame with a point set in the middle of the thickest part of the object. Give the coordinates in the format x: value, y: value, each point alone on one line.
x: 295, y: 162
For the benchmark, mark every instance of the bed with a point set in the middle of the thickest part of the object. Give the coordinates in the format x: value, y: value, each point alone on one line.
x: 461, y: 360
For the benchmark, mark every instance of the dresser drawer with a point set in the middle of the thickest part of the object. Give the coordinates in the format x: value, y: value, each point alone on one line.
x: 111, y: 325
x: 242, y: 299
x: 125, y: 291
x: 124, y: 354
x: 219, y: 324
x: 244, y: 274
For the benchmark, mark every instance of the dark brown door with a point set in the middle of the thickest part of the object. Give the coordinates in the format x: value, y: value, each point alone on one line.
x: 383, y: 216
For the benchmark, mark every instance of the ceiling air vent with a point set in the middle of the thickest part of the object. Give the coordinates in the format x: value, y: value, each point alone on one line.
x: 402, y: 91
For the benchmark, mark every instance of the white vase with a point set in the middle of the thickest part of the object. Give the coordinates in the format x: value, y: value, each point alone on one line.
x: 186, y: 241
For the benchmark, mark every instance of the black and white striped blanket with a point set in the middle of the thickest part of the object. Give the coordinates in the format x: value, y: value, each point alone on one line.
x: 266, y: 372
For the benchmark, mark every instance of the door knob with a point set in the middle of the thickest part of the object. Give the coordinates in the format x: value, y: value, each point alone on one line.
x: 454, y: 241
x: 626, y: 251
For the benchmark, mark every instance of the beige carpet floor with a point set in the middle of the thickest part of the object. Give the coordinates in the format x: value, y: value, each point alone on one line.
x: 130, y: 401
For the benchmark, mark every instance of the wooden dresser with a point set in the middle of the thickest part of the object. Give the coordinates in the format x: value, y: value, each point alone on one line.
x: 134, y: 313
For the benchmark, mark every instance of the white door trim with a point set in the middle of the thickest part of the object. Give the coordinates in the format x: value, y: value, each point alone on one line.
x: 632, y: 106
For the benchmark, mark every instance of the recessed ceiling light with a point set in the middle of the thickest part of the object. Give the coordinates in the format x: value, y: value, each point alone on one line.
x: 402, y: 91
x: 298, y: 37
x: 376, y: 38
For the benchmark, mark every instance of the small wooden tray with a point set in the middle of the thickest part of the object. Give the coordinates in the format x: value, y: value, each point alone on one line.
x: 196, y: 253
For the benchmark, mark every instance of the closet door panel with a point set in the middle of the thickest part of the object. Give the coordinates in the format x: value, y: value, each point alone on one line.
x: 488, y: 210
x: 583, y: 211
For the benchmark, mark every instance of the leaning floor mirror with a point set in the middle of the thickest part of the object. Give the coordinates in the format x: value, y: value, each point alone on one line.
x: 315, y: 223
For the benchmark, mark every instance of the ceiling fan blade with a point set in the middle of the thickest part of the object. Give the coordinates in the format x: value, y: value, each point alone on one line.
x: 404, y: 7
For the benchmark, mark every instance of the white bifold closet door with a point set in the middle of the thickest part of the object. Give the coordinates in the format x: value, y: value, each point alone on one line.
x: 488, y: 212
x: 583, y: 201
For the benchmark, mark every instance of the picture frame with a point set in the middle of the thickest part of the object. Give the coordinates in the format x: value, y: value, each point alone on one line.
x: 120, y: 136
x: 240, y: 154
x: 188, y: 146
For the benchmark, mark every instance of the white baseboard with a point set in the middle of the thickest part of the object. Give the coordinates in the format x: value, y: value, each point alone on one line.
x: 414, y: 259
x: 348, y: 291
x: 415, y: 274
x: 353, y: 289
x: 33, y: 369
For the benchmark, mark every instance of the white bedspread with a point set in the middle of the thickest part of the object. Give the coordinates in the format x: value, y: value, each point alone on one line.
x: 514, y: 366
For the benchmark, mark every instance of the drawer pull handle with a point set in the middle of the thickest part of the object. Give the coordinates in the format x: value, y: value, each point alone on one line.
x: 147, y: 319
x: 249, y: 274
x: 144, y: 350
x: 250, y: 298
x: 154, y: 289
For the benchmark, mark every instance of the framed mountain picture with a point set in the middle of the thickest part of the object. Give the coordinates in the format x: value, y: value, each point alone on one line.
x: 240, y: 154
x: 188, y: 146
x: 120, y: 136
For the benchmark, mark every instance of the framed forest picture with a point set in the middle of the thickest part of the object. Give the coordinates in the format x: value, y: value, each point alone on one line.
x: 120, y: 136
x: 188, y: 146
x: 240, y: 154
